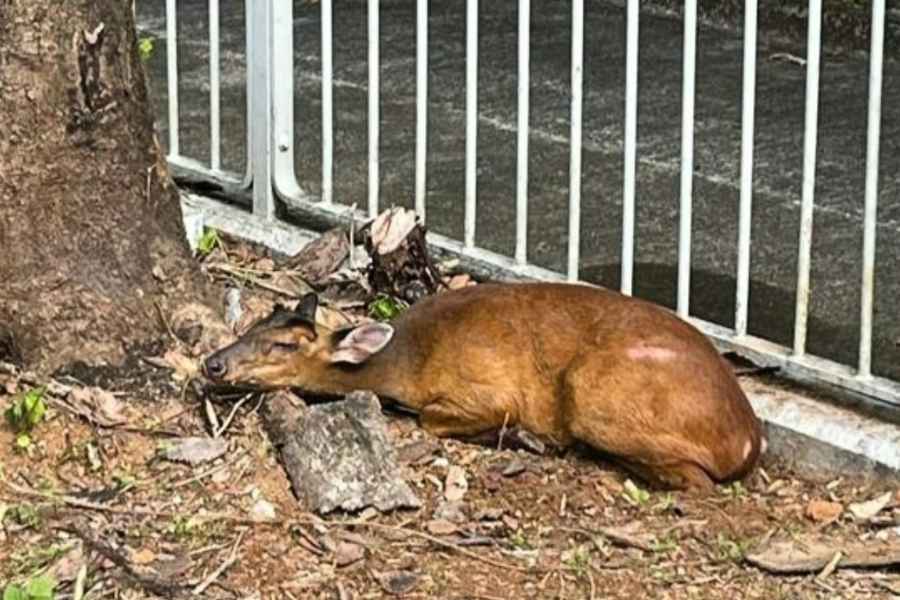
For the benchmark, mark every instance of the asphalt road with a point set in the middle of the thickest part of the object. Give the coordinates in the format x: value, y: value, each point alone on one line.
x: 837, y: 246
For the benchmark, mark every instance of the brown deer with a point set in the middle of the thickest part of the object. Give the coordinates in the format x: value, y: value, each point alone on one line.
x: 566, y: 363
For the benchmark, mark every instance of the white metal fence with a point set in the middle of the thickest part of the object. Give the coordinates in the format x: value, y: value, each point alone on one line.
x: 270, y: 166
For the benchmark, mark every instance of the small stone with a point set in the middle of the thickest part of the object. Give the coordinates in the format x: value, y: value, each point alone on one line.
x: 456, y: 485
x: 440, y: 527
x: 440, y: 463
x: 515, y: 467
x: 347, y: 553
x: 263, y: 510
x: 398, y: 582
x: 451, y: 511
x: 489, y: 514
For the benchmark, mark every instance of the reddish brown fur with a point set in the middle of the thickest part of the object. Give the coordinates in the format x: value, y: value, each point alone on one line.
x: 565, y: 362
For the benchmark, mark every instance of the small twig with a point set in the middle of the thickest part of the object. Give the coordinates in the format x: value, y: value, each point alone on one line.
x: 211, y: 416
x: 217, y: 516
x: 208, y: 472
x: 502, y: 431
x: 242, y: 274
x: 78, y: 592
x: 234, y: 410
x: 232, y: 558
x: 147, y: 581
x: 167, y: 325
x: 830, y: 567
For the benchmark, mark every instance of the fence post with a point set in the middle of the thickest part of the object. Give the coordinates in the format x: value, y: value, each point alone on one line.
x: 259, y: 101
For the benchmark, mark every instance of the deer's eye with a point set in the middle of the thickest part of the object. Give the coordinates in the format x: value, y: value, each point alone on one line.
x: 285, y: 346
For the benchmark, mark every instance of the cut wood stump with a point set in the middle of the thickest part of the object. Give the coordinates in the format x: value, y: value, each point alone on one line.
x: 338, y: 455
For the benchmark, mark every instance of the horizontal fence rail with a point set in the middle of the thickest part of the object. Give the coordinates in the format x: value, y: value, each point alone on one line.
x: 270, y: 170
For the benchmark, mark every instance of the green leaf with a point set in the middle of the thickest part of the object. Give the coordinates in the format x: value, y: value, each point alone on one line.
x: 14, y: 592
x: 385, y: 308
x: 23, y: 441
x: 208, y: 241
x: 145, y: 48
x: 41, y: 588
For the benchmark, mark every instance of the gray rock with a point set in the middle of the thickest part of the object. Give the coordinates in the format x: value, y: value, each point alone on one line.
x: 338, y: 455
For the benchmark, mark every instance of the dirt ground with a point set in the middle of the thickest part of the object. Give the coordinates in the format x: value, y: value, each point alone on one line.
x: 95, y: 493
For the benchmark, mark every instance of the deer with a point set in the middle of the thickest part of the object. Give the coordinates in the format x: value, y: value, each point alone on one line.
x: 565, y: 363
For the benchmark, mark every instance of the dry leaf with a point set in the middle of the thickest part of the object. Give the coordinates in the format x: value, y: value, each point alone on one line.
x: 196, y: 450
x: 98, y: 406
x: 456, y: 485
x: 863, y: 511
x: 185, y: 367
x: 823, y: 511
x: 144, y: 556
x: 390, y: 228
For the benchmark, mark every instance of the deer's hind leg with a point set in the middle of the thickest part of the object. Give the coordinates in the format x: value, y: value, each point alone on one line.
x: 611, y: 405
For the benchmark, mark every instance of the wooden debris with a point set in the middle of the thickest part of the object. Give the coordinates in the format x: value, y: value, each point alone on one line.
x: 813, y: 555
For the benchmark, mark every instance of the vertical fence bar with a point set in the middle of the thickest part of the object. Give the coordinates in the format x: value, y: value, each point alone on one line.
x: 687, y: 157
x: 575, y: 139
x: 748, y: 106
x: 471, y: 121
x: 172, y: 74
x: 628, y: 192
x: 327, y: 105
x: 814, y: 46
x: 374, y: 108
x: 215, y: 123
x: 259, y: 100
x: 522, y: 144
x: 876, y: 60
x: 421, y: 103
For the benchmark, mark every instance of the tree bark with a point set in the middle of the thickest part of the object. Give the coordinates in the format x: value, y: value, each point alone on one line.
x: 92, y: 246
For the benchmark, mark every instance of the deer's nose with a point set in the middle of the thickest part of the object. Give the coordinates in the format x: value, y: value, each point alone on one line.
x: 215, y: 367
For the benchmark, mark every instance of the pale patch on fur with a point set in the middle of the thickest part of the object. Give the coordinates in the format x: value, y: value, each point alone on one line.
x: 650, y: 353
x: 748, y: 448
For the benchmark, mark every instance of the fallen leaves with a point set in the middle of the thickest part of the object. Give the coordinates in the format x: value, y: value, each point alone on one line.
x: 863, y: 511
x: 811, y: 555
x: 196, y: 450
x: 823, y: 511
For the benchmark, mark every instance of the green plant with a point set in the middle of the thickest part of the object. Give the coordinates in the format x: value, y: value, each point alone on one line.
x: 385, y: 308
x: 208, y: 241
x: 733, y: 550
x: 183, y: 527
x: 145, y: 48
x: 520, y: 542
x: 635, y: 495
x: 665, y: 544
x: 734, y: 490
x: 38, y: 588
x: 578, y: 560
x: 21, y: 514
x: 666, y: 504
x: 27, y: 410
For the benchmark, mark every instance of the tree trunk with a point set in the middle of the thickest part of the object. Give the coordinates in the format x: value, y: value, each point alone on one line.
x: 92, y: 247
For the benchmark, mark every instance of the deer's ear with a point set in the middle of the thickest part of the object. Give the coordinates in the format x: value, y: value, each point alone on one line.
x: 306, y: 308
x: 361, y: 343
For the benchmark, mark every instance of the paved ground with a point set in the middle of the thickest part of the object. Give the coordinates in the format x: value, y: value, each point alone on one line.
x: 779, y: 140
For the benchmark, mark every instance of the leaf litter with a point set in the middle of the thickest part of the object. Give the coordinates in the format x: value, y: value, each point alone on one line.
x: 493, y: 523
